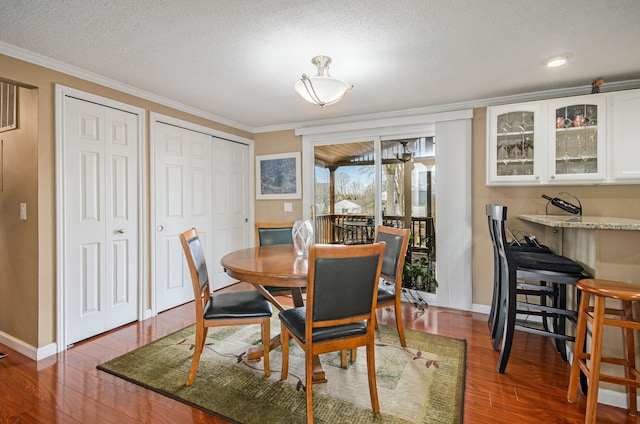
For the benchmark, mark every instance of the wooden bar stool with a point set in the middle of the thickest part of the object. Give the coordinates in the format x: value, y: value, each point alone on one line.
x: 602, y: 290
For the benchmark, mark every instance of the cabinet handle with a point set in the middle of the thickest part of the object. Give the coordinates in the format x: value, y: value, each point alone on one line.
x: 537, y: 177
x: 553, y: 177
x: 120, y: 231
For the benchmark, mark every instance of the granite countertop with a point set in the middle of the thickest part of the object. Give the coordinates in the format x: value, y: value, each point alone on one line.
x: 593, y: 222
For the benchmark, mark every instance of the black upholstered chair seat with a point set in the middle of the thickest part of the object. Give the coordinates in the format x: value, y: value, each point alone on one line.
x: 241, y: 304
x: 385, y: 294
x: 527, y: 248
x: 295, y: 318
x: 546, y: 262
x: 277, y: 289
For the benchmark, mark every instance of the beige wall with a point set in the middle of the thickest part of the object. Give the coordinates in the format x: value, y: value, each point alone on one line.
x: 18, y: 256
x: 271, y: 143
x: 28, y: 312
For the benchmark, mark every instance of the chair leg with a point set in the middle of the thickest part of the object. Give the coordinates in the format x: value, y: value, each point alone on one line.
x: 266, y: 336
x: 371, y: 372
x: 578, y: 348
x: 499, y: 326
x: 509, y: 313
x: 596, y: 359
x: 201, y: 336
x: 284, y: 343
x: 308, y: 383
x: 630, y: 353
x: 343, y: 358
x: 398, y: 307
x: 560, y: 321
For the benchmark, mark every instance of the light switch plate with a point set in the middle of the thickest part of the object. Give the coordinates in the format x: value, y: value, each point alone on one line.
x: 288, y: 207
x: 23, y: 211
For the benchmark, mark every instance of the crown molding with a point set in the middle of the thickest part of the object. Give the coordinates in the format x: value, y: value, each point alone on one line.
x: 452, y: 107
x: 56, y: 65
x: 40, y: 60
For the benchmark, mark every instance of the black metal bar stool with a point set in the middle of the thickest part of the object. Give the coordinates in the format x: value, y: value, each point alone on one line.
x: 601, y: 290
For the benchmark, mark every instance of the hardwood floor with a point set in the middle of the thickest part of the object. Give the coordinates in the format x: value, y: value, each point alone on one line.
x: 68, y: 388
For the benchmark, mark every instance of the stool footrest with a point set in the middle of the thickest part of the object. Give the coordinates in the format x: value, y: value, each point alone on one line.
x: 544, y: 333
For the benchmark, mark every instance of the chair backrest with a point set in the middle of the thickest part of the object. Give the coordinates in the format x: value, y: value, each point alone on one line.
x: 197, y: 268
x: 497, y: 227
x: 269, y: 233
x: 496, y: 261
x: 397, y: 240
x: 343, y: 283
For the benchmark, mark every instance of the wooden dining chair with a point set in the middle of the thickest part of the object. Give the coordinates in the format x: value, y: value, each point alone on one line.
x: 271, y: 233
x: 390, y: 289
x: 222, y: 309
x: 331, y: 323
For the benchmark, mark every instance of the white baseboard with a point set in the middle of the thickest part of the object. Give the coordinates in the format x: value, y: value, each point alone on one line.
x: 481, y: 309
x: 26, y: 349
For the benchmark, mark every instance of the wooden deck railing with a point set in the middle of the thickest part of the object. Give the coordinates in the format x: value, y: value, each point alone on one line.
x: 331, y: 229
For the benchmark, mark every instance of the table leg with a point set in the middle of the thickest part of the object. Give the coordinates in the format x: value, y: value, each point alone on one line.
x: 255, y: 353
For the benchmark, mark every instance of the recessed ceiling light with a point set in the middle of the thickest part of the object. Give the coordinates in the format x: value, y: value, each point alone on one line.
x: 557, y: 60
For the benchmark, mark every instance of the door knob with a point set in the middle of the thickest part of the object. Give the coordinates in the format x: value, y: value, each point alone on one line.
x: 160, y: 228
x: 120, y: 231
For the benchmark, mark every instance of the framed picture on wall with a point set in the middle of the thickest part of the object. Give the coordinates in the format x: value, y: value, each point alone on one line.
x: 278, y: 176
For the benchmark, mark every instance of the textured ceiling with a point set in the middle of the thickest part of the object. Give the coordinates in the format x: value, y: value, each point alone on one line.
x: 239, y: 59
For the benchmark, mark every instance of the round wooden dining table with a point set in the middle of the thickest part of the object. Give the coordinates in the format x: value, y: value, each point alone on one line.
x: 274, y: 265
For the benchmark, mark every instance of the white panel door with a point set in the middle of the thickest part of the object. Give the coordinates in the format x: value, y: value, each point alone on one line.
x: 100, y: 221
x: 182, y: 197
x: 230, y: 205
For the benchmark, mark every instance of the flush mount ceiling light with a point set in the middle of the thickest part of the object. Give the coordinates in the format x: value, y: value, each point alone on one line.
x: 557, y: 60
x: 322, y: 89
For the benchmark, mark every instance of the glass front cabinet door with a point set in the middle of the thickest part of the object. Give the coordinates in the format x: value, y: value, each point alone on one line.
x: 577, y: 138
x: 515, y: 149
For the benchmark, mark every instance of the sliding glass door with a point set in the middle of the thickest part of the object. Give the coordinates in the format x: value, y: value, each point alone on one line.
x: 348, y: 203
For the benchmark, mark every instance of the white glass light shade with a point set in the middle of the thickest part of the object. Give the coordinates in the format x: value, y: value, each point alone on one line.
x: 322, y: 91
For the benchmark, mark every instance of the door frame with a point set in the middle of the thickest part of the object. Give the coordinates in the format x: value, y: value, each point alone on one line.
x: 452, y: 132
x: 61, y: 92
x: 154, y: 118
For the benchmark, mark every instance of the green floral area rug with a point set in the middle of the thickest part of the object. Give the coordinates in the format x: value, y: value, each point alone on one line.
x: 423, y: 383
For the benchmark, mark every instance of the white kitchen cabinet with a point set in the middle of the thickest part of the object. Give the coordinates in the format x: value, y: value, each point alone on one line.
x: 625, y: 137
x: 590, y: 139
x: 515, y: 149
x: 577, y: 139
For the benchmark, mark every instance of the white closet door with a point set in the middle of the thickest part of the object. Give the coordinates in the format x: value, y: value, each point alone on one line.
x: 100, y: 148
x: 230, y: 205
x: 183, y: 198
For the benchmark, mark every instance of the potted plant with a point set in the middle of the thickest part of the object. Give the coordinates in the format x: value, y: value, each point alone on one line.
x: 419, y: 274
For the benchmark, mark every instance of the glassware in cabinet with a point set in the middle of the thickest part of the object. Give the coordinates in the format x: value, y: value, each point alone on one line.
x: 512, y: 149
x: 515, y: 143
x: 578, y: 139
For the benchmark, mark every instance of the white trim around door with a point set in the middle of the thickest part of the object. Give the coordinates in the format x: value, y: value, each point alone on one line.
x: 140, y: 255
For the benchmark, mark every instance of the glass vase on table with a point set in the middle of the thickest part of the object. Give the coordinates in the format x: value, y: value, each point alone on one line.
x: 302, y: 233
